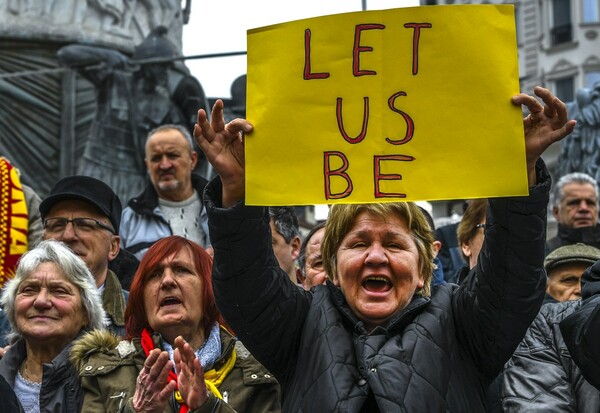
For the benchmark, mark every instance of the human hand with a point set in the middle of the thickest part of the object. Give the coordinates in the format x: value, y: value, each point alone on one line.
x: 190, y: 375
x: 223, y: 145
x: 3, y: 351
x: 152, y: 388
x: 543, y: 126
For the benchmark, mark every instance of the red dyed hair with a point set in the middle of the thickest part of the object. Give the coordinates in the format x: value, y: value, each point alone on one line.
x: 135, y: 313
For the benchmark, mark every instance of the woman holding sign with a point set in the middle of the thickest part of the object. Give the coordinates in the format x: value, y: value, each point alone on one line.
x: 378, y: 338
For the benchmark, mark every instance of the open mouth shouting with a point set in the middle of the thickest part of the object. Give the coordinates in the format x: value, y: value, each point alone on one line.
x: 170, y: 301
x: 377, y: 284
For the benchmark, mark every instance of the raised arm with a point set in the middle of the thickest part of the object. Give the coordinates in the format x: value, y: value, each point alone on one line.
x: 94, y: 63
x: 502, y: 295
x: 223, y: 145
x: 544, y: 125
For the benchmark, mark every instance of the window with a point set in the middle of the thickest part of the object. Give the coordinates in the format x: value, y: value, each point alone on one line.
x: 591, y: 78
x: 561, y: 22
x: 591, y: 14
x: 565, y: 89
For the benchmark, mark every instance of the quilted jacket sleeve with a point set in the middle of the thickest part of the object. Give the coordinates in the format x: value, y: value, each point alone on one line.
x: 536, y: 378
x: 258, y: 300
x: 581, y: 330
x: 498, y: 301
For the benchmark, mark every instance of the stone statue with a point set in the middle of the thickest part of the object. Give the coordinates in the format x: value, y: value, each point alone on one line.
x: 580, y: 151
x: 133, y: 96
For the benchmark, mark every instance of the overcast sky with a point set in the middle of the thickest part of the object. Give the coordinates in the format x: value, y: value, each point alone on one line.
x: 220, y: 26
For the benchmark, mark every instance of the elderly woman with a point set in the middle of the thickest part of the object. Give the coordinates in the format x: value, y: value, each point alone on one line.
x: 51, y: 300
x: 178, y: 346
x: 378, y: 338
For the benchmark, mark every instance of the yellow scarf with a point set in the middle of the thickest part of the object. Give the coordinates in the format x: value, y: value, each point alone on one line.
x: 213, y: 378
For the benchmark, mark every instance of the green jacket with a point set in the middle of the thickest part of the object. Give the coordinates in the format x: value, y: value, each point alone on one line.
x: 109, y: 369
x: 114, y: 301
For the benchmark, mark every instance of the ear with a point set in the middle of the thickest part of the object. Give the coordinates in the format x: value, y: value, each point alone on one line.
x: 437, y: 246
x: 555, y: 212
x: 115, y: 246
x: 194, y: 159
x: 295, y: 245
x: 466, y: 250
x: 421, y: 283
x: 301, y: 278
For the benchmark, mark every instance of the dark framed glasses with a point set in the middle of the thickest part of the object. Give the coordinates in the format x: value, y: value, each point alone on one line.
x: 80, y: 225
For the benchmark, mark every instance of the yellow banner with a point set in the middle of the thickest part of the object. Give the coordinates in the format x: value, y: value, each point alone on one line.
x: 405, y: 104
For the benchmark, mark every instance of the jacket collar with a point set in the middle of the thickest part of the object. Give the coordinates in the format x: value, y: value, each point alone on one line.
x: 586, y: 235
x: 147, y: 201
x: 113, y: 300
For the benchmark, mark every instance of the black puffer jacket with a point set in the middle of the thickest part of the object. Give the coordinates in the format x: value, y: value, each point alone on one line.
x: 541, y: 376
x: 436, y: 355
x: 581, y: 330
x: 60, y: 392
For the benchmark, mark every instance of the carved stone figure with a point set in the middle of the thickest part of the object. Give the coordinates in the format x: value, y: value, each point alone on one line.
x: 134, y: 96
x: 580, y: 152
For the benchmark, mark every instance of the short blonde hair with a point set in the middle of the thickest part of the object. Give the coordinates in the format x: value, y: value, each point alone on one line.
x: 342, y: 218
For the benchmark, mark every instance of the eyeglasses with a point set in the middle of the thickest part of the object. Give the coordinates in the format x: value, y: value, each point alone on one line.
x: 80, y: 225
x: 480, y: 226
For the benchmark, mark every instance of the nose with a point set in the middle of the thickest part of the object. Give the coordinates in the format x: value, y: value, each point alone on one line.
x: 168, y: 278
x: 42, y: 300
x: 584, y: 205
x: 165, y: 163
x: 69, y: 232
x: 376, y: 254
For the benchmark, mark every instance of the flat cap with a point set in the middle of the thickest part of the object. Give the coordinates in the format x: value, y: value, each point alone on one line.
x: 571, y: 253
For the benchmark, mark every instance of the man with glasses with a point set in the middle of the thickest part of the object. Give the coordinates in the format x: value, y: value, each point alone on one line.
x: 85, y: 213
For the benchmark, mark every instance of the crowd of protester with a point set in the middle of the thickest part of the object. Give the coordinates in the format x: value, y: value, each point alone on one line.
x: 185, y: 299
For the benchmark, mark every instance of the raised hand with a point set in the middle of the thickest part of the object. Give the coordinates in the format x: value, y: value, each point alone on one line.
x: 190, y: 375
x: 152, y: 388
x: 543, y: 126
x: 223, y: 145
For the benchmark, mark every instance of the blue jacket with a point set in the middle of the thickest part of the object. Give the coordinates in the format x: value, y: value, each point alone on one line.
x: 143, y: 223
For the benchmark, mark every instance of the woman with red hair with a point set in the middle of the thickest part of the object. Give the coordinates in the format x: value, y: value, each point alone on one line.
x: 178, y: 356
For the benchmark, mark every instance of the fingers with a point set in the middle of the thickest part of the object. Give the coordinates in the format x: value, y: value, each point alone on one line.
x: 152, y: 389
x: 156, y: 369
x: 217, y: 117
x: 239, y: 125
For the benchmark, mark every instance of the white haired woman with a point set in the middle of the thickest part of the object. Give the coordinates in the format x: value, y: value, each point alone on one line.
x: 51, y: 300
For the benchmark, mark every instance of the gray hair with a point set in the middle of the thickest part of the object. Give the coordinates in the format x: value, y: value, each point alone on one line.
x: 574, y: 177
x: 172, y: 126
x: 286, y: 222
x: 74, y: 270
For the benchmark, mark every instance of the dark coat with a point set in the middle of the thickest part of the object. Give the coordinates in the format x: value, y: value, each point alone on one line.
x: 570, y: 236
x: 438, y: 354
x: 10, y: 403
x: 541, y: 376
x: 581, y: 330
x: 60, y: 391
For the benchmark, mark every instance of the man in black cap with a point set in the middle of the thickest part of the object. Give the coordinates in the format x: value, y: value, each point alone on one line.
x: 85, y: 213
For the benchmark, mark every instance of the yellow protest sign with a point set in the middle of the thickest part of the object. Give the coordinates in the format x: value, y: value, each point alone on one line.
x: 386, y: 105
